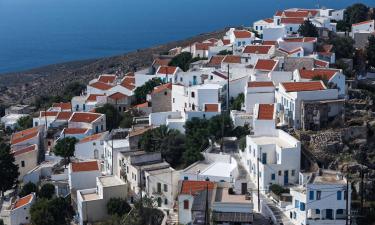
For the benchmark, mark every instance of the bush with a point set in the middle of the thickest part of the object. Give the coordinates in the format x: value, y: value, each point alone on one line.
x: 278, y: 190
x: 46, y: 191
x: 28, y: 189
x: 118, y: 206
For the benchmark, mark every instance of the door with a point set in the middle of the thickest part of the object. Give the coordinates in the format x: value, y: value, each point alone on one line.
x: 329, y: 214
x: 286, y: 177
x: 243, y: 188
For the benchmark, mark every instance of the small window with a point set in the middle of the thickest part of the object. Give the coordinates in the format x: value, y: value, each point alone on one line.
x: 256, y: 27
x: 339, y: 197
x: 192, y: 94
x: 311, y: 195
x: 186, y: 178
x: 165, y: 93
x: 173, y: 100
x: 186, y: 204
x: 165, y: 201
x: 302, y: 206
x: 293, y: 173
x: 159, y: 187
x: 317, y: 211
x: 318, y: 195
x: 279, y: 172
x: 22, y: 163
x: 273, y: 176
x: 165, y: 188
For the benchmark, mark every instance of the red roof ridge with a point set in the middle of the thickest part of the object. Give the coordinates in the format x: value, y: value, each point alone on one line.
x: 303, y: 86
x: 84, y: 166
x: 91, y: 138
x: 24, y: 150
x: 363, y: 22
x: 162, y: 87
x: 192, y: 187
x: 266, y: 111
x: 260, y: 84
x: 23, y: 201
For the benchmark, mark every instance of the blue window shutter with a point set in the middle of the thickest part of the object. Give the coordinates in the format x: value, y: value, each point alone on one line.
x: 273, y: 176
x: 302, y: 206
x: 296, y: 204
x: 338, y: 195
x: 317, y: 211
x: 311, y: 195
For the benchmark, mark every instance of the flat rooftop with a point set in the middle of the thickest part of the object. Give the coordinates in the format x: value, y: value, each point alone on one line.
x: 108, y: 181
x: 329, y: 177
x: 199, y: 166
x: 219, y: 169
x: 90, y: 196
x: 268, y: 140
x: 222, y: 195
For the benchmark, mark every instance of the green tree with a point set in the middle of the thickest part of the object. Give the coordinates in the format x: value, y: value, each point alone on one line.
x: 141, y: 92
x: 28, y: 189
x: 128, y: 116
x: 371, y: 51
x: 118, y: 206
x: 112, y: 115
x: 220, y: 125
x: 25, y: 122
x: 72, y: 89
x: 143, y: 213
x: 46, y: 191
x: 225, y: 52
x: 65, y: 148
x: 342, y: 26
x: 197, y: 135
x: 8, y: 170
x: 57, y: 211
x: 308, y: 29
x: 242, y: 143
x: 236, y: 103
x: 343, y: 46
x: 182, y: 60
x: 356, y: 13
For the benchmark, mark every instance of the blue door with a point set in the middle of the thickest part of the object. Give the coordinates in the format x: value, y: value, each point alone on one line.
x: 286, y: 177
x: 329, y: 214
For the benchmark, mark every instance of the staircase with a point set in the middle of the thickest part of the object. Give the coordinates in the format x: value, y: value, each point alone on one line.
x: 172, y: 218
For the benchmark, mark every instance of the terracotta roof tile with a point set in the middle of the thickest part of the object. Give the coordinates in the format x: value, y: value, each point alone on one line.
x: 167, y: 70
x: 63, y: 105
x: 64, y: 115
x: 279, y: 13
x: 85, y: 166
x: 301, y: 39
x: 269, y: 42
x: 75, y: 130
x: 232, y: 59
x: 24, y: 135
x: 300, y: 14
x: 269, y: 20
x: 265, y: 111
x: 219, y: 74
x: 364, y: 22
x: 161, y: 62
x: 25, y: 150
x: 107, y: 78
x: 211, y: 107
x: 92, y: 97
x: 101, y: 86
x: 309, y: 74
x: 162, y: 87
x: 84, y: 117
x: 260, y: 84
x: 242, y: 34
x: 320, y: 63
x: 193, y: 187
x: 265, y: 64
x: 48, y: 113
x: 303, y: 86
x: 91, y: 138
x: 117, y: 96
x: 203, y: 46
x: 142, y: 105
x: 23, y: 201
x: 257, y: 49
x: 216, y: 60
x: 292, y: 20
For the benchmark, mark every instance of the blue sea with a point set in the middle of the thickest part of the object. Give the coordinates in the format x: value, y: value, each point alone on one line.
x: 35, y: 33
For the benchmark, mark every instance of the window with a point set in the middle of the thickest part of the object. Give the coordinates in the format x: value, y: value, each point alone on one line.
x: 311, y: 195
x: 211, y: 77
x: 339, y: 197
x: 159, y: 187
x: 273, y: 176
x: 261, y: 27
x: 318, y: 195
x: 264, y: 158
x: 135, y: 177
x: 339, y: 212
x: 296, y: 204
x: 302, y: 206
x: 260, y: 174
x: 165, y: 93
x: 186, y: 204
x: 290, y: 28
x: 293, y: 172
x: 295, y: 215
x: 102, y: 127
x: 165, y: 188
x: 173, y: 100
x: 317, y: 211
x: 181, y: 79
x: 165, y: 201
x: 239, y: 43
x: 84, y: 107
x: 345, y: 193
x: 22, y: 163
x: 193, y: 107
x: 279, y: 172
x: 192, y: 94
x: 256, y: 27
x: 186, y: 178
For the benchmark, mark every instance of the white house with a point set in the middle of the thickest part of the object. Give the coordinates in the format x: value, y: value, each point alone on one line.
x: 290, y: 44
x: 290, y: 95
x: 92, y: 203
x: 82, y: 175
x: 252, y: 53
x: 167, y: 73
x: 26, y: 158
x: 319, y: 199
x: 261, y: 92
x: 11, y: 120
x: 363, y: 27
x: 19, y: 212
x: 260, y: 25
x: 292, y: 24
x: 271, y: 154
x: 95, y: 122
x: 90, y: 147
x: 240, y: 38
x: 333, y: 76
x: 31, y: 136
x: 115, y: 143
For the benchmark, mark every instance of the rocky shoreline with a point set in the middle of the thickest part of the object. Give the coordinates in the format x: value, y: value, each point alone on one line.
x: 23, y: 87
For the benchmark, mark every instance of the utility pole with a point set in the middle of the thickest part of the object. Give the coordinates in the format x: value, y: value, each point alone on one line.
x: 347, y: 196
x: 206, y: 212
x: 362, y: 188
x: 141, y: 198
x: 258, y: 181
x: 228, y: 90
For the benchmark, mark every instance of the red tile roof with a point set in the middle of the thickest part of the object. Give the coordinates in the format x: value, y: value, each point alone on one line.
x: 213, y: 40
x: 269, y: 42
x: 167, y: 70
x: 313, y: 12
x: 265, y: 111
x: 48, y: 113
x: 265, y: 64
x: 84, y: 117
x: 161, y: 62
x: 309, y: 74
x: 101, y: 86
x: 364, y: 22
x: 162, y: 87
x: 92, y: 97
x: 63, y: 105
x: 117, y: 96
x: 257, y: 49
x: 232, y: 59
x: 64, y: 115
x: 301, y: 14
x: 211, y: 107
x: 242, y: 34
x: 85, y: 166
x: 128, y: 82
x: 142, y: 105
x: 303, y: 86
x: 301, y: 39
x: 320, y: 63
x: 91, y: 138
x: 107, y: 78
x: 216, y: 60
x: 292, y: 20
x: 23, y: 201
x: 203, y: 46
x: 24, y: 135
x: 260, y: 84
x: 279, y: 13
x: 75, y: 130
x: 193, y: 187
x: 25, y: 150
x: 292, y: 51
x: 219, y: 74
x: 269, y: 20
